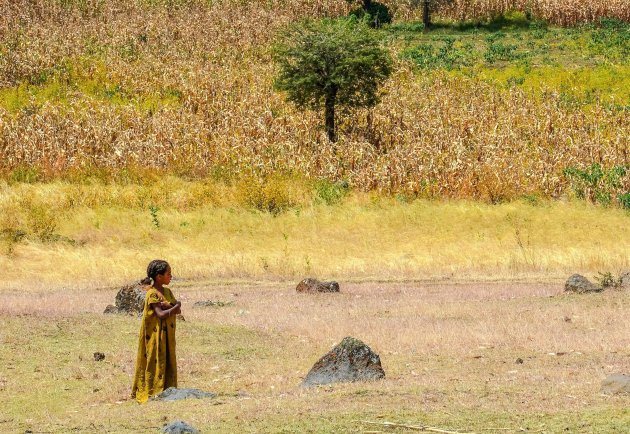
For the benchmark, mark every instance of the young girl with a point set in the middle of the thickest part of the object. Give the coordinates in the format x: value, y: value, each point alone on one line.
x: 156, y: 365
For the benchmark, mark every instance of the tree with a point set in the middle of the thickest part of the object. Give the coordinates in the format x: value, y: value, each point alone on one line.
x: 426, y: 11
x: 377, y: 13
x: 331, y: 63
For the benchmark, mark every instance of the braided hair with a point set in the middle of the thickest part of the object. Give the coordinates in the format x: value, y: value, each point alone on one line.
x: 157, y: 266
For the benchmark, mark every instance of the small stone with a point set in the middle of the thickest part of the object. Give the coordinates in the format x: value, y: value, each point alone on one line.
x: 616, y: 384
x: 179, y: 427
x: 99, y: 356
x: 175, y: 394
x: 314, y: 285
x: 349, y: 361
x: 580, y: 284
x: 624, y: 280
x: 519, y: 361
x: 212, y: 303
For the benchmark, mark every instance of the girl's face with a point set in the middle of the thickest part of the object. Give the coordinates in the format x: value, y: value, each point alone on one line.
x: 164, y: 279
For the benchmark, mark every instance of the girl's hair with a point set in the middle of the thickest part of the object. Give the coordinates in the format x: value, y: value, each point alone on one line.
x: 157, y: 266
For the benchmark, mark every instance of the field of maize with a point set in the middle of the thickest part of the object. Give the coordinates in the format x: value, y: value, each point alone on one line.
x: 95, y: 86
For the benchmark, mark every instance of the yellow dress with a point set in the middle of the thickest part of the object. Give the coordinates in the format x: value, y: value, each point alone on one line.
x: 156, y: 365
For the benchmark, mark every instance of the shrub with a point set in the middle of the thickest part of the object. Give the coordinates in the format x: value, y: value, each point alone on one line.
x: 376, y: 14
x: 596, y: 183
x: 331, y: 193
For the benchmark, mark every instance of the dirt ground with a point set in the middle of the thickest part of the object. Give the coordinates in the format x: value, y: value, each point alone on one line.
x: 500, y: 356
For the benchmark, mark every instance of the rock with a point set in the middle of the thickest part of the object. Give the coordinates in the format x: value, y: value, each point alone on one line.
x: 129, y: 300
x: 580, y: 284
x: 110, y: 309
x: 519, y: 361
x: 98, y: 356
x: 624, y: 280
x: 211, y: 303
x: 616, y: 384
x: 314, y: 285
x: 175, y: 394
x: 179, y: 427
x: 349, y: 361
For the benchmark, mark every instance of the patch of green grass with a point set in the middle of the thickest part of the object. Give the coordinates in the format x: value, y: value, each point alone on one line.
x: 584, y: 64
x: 85, y: 80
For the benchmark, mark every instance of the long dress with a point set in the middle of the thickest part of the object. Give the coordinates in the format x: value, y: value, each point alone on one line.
x: 156, y: 364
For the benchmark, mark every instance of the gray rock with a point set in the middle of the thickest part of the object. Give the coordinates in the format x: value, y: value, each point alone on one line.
x: 580, y: 284
x: 616, y: 384
x: 110, y: 309
x: 99, y: 357
x: 624, y: 280
x: 212, y: 303
x: 349, y: 361
x: 175, y: 394
x: 129, y: 299
x: 179, y: 427
x: 314, y: 285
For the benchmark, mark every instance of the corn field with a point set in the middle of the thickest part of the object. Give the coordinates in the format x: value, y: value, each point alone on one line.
x: 560, y: 12
x: 434, y: 136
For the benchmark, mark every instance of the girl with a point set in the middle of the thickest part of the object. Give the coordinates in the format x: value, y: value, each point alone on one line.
x: 156, y: 365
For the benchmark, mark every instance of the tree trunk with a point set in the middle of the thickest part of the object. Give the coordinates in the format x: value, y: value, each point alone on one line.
x: 426, y: 14
x: 331, y: 99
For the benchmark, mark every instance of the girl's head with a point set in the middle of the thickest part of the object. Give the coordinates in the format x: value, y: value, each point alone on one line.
x: 158, y: 271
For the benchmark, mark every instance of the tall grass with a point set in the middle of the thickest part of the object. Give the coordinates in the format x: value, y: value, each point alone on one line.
x: 72, y: 235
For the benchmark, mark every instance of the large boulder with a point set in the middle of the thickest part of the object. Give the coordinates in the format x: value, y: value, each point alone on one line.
x: 349, y: 361
x: 175, y: 394
x: 129, y: 299
x: 580, y: 284
x: 314, y: 285
x: 616, y: 384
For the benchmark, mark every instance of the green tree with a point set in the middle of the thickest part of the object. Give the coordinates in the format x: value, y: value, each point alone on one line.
x: 330, y: 63
x: 376, y: 13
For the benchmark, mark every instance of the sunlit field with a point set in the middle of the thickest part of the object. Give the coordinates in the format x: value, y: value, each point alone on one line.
x: 495, y: 165
x: 450, y: 353
x: 64, y: 235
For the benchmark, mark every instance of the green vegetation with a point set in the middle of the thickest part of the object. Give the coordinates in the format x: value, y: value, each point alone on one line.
x: 85, y: 81
x: 375, y: 13
x: 329, y: 64
x: 598, y: 184
x: 585, y: 64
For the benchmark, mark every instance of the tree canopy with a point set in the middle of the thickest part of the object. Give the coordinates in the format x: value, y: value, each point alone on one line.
x: 323, y: 64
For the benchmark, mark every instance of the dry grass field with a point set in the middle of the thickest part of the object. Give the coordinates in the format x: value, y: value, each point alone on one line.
x: 57, y: 235
x: 449, y: 351
x: 496, y: 165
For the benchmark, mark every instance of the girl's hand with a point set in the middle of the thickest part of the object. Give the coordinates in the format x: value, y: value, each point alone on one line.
x: 178, y: 308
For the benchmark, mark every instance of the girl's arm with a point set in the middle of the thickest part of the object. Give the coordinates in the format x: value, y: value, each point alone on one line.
x: 165, y: 313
